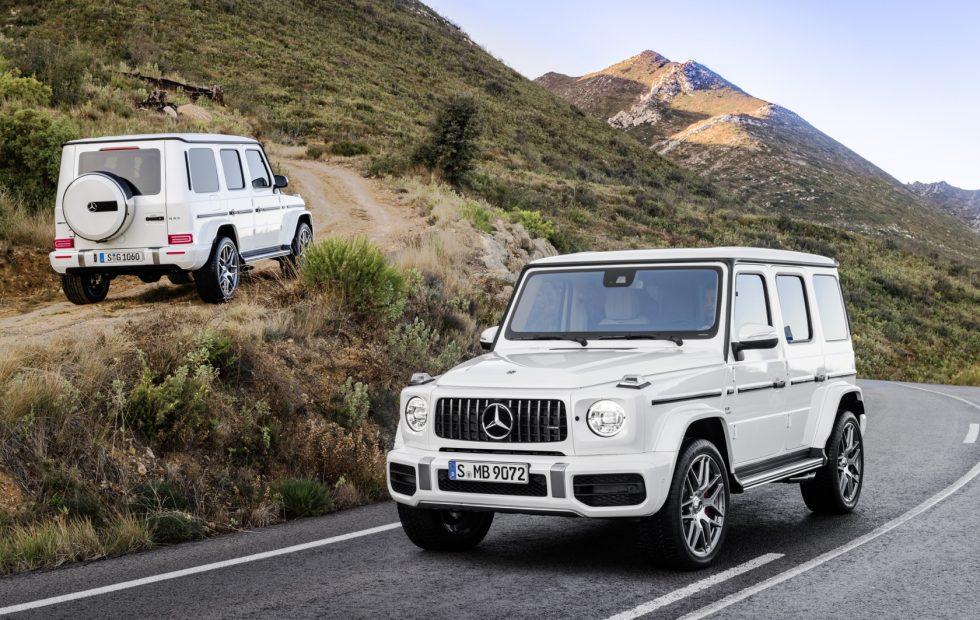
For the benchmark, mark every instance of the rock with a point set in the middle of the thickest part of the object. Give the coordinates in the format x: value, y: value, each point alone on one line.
x: 195, y: 112
x: 169, y: 111
x: 543, y: 248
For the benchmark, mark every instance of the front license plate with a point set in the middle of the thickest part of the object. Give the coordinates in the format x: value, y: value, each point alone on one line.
x: 511, y: 473
x: 108, y: 258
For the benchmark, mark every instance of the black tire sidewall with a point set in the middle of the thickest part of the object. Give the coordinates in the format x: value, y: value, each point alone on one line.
x: 833, y: 453
x: 206, y: 278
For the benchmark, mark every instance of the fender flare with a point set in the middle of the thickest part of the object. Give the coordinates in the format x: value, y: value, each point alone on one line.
x: 678, y: 420
x: 291, y: 220
x: 829, y: 405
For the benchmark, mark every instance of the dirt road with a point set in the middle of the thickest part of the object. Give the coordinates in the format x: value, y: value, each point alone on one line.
x: 342, y: 202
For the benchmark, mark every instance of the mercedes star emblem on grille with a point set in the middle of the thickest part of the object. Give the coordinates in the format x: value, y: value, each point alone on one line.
x: 497, y: 421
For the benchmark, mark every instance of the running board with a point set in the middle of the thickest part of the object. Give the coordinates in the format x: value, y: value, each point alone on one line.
x: 789, y: 470
x: 276, y: 254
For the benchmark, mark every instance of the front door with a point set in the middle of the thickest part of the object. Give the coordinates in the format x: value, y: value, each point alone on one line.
x: 758, y: 414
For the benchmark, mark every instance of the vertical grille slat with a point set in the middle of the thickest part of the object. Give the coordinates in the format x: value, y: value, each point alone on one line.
x: 534, y: 420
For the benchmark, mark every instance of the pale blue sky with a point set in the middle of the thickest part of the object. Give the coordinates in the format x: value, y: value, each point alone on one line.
x: 898, y: 82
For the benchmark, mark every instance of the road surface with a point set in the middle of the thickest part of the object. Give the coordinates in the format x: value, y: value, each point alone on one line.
x: 911, y: 549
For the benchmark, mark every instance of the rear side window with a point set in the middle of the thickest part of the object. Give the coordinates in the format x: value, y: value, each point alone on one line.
x: 257, y: 170
x: 751, y: 305
x: 204, y: 172
x: 231, y: 163
x: 831, y: 306
x: 792, y: 302
x: 140, y: 167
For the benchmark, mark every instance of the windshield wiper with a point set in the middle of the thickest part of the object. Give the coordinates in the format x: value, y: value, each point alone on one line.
x: 641, y: 336
x: 577, y: 339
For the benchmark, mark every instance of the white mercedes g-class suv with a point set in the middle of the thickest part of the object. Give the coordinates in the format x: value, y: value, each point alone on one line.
x: 195, y: 207
x: 647, y: 384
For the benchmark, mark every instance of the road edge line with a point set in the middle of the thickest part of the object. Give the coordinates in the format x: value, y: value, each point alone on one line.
x: 833, y: 553
x: 135, y: 583
x: 681, y: 593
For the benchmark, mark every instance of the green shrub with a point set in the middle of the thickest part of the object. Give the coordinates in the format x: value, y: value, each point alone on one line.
x: 355, y: 402
x: 451, y: 149
x: 155, y: 496
x: 66, y: 494
x: 478, y: 215
x: 416, y: 347
x: 30, y: 151
x: 24, y: 90
x: 304, y: 497
x: 316, y: 151
x: 63, y: 68
x: 357, y: 274
x: 346, y: 148
x: 173, y: 526
x: 534, y: 222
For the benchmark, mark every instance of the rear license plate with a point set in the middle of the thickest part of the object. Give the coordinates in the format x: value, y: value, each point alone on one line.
x: 510, y: 473
x: 107, y: 258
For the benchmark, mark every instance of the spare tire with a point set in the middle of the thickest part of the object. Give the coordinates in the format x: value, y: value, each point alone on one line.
x: 98, y: 206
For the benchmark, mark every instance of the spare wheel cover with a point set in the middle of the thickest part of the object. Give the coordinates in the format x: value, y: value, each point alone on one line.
x: 98, y: 206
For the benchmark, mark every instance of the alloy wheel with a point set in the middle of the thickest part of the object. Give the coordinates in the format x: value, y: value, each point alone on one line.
x: 850, y: 463
x: 228, y: 269
x: 703, y: 506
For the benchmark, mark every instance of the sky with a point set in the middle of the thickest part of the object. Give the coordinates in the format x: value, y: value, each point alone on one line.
x: 898, y: 82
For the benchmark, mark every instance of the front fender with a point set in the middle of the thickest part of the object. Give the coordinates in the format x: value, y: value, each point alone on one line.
x: 673, y: 425
x: 827, y: 405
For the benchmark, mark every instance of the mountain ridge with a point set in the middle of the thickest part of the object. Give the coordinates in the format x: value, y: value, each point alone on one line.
x: 961, y: 203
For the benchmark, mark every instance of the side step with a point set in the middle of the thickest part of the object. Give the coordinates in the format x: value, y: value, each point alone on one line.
x: 787, y: 470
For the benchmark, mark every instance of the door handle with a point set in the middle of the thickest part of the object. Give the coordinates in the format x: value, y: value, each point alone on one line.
x: 820, y: 377
x: 779, y: 383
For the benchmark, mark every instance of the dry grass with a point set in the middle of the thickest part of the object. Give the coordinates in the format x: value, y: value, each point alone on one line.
x: 968, y: 376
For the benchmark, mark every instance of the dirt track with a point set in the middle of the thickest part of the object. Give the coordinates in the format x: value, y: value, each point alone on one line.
x: 342, y: 202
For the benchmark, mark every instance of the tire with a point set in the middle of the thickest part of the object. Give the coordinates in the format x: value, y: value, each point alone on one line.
x: 837, y: 486
x: 675, y: 537
x: 444, y: 530
x: 86, y: 288
x: 180, y: 278
x: 301, y: 240
x: 218, y: 279
x: 149, y: 278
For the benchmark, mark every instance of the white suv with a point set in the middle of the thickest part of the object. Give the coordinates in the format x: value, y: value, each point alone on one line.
x: 647, y: 384
x: 189, y: 206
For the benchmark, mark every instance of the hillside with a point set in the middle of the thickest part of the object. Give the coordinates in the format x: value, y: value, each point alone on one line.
x: 757, y: 150
x: 961, y: 203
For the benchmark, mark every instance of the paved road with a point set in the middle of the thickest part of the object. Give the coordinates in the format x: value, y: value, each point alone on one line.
x: 909, y: 564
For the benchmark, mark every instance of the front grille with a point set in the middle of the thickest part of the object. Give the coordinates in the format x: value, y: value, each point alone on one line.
x: 537, y: 486
x: 609, y: 489
x: 402, y: 478
x: 534, y: 420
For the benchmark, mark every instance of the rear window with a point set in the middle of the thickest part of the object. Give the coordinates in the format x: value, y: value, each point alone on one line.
x: 831, y: 307
x: 140, y: 167
x: 204, y: 172
x: 232, y: 165
x: 792, y: 302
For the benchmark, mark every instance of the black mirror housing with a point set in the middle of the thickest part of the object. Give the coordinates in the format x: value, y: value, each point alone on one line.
x: 280, y: 181
x: 739, y: 347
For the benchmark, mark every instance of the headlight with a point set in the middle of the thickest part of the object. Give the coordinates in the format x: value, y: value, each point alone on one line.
x: 416, y: 413
x: 605, y: 418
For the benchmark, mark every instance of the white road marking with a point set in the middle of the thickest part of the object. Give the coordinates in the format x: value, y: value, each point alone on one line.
x: 922, y: 389
x: 972, y: 434
x: 830, y: 555
x: 135, y: 583
x: 682, y: 593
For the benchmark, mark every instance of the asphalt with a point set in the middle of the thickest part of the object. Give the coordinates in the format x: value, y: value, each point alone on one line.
x: 551, y: 567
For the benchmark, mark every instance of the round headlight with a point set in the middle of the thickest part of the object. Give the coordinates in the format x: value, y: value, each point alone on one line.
x: 605, y: 418
x: 416, y: 413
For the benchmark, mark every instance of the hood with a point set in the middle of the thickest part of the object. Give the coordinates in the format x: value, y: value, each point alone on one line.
x: 569, y: 369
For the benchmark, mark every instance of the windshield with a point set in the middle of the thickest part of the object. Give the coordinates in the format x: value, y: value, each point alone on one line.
x: 593, y: 303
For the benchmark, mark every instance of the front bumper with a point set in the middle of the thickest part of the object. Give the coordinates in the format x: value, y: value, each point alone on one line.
x: 559, y: 473
x: 185, y: 257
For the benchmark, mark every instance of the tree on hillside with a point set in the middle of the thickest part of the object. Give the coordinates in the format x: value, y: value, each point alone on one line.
x: 451, y: 148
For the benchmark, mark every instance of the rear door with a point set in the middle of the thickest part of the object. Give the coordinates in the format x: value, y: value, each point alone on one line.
x: 237, y: 197
x: 758, y: 413
x: 265, y: 200
x: 140, y: 164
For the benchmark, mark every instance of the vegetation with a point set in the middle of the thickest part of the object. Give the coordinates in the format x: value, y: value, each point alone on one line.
x: 451, y: 149
x: 357, y: 275
x: 304, y: 497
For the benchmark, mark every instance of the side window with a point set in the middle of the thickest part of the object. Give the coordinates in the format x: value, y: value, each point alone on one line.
x: 258, y: 173
x: 231, y: 163
x: 831, y: 306
x: 203, y: 170
x: 792, y: 302
x: 751, y: 304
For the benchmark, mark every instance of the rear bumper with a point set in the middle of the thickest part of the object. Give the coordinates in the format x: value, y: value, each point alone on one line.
x: 184, y: 257
x: 558, y: 472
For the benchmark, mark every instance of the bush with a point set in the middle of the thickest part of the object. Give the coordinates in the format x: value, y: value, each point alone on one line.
x: 417, y: 347
x: 173, y: 526
x: 316, y: 151
x: 30, y: 151
x: 451, y: 149
x: 355, y: 402
x: 535, y: 224
x: 157, y: 495
x: 477, y: 215
x: 24, y: 90
x: 349, y: 149
x: 63, y: 68
x: 304, y: 497
x: 358, y: 274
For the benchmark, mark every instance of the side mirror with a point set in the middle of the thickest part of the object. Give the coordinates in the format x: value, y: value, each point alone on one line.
x: 487, y: 337
x: 753, y: 336
x: 280, y: 181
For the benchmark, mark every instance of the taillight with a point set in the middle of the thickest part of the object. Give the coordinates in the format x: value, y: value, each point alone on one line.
x: 64, y: 244
x: 180, y: 239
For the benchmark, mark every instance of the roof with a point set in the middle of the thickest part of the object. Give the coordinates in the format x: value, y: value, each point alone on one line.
x: 752, y: 255
x: 209, y: 138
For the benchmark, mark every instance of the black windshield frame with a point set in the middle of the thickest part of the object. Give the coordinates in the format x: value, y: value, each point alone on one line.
x: 707, y: 334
